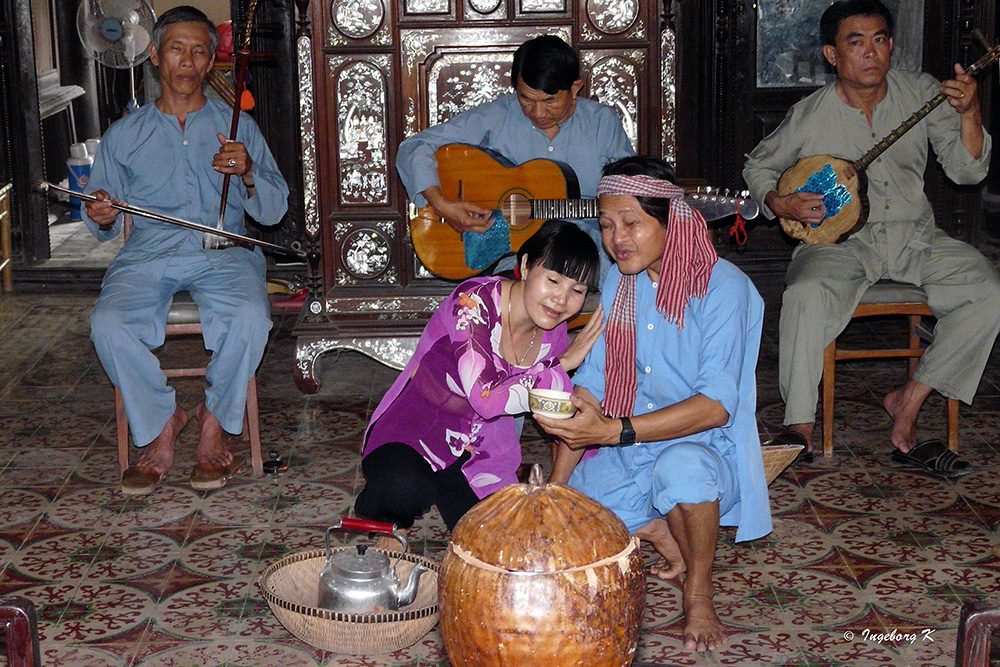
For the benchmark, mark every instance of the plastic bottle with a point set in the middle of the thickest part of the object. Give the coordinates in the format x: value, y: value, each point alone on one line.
x: 78, y: 164
x: 92, y: 145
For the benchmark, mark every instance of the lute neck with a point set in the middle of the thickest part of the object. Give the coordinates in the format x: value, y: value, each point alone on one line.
x: 862, y: 162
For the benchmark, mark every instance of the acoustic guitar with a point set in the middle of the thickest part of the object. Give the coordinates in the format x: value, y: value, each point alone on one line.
x: 844, y: 183
x: 525, y: 195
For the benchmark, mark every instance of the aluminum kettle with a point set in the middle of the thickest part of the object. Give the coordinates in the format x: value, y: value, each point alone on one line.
x: 361, y: 580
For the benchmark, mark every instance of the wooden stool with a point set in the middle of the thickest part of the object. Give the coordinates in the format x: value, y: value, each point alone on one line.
x: 885, y: 297
x: 977, y: 623
x: 184, y: 320
x: 20, y: 625
x: 6, y: 251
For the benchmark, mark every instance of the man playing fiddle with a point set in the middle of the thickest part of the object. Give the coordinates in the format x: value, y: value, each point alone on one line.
x: 170, y: 157
x: 900, y: 240
x: 543, y: 118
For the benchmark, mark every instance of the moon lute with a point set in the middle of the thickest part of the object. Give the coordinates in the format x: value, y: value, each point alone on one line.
x: 844, y: 181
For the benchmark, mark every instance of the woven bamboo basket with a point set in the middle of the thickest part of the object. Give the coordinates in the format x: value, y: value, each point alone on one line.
x: 777, y: 458
x: 291, y: 588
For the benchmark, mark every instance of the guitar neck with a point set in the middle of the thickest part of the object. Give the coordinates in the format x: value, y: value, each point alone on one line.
x: 862, y: 163
x: 712, y: 206
x: 543, y: 209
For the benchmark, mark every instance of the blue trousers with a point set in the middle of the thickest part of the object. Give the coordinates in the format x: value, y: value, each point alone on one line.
x: 645, y: 481
x: 129, y: 322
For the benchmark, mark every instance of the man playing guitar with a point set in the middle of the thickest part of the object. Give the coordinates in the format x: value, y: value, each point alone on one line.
x: 542, y: 118
x: 900, y: 241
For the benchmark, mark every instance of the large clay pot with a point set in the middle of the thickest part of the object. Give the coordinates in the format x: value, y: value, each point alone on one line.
x: 540, y: 574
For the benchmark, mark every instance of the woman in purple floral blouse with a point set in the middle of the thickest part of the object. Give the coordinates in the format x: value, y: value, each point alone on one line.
x: 445, y: 433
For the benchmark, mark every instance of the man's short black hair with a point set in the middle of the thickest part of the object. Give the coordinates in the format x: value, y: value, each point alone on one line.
x: 545, y: 63
x: 829, y: 24
x: 183, y: 14
x: 641, y: 165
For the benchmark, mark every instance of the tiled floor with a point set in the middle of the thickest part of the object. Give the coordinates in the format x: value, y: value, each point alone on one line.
x: 860, y: 547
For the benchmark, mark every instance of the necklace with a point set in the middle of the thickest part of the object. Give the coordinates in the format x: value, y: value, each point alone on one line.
x: 531, y: 343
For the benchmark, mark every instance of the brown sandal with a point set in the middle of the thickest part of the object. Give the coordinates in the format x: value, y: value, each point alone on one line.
x: 204, y: 479
x: 138, y: 483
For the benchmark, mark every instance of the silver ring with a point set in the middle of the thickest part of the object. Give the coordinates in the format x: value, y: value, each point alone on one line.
x: 232, y: 162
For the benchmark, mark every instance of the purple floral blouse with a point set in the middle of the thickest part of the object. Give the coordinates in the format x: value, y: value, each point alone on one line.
x: 458, y: 394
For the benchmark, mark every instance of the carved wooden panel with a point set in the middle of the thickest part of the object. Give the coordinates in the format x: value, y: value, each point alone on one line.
x: 618, y: 78
x: 358, y: 21
x: 484, y: 10
x: 360, y: 87
x: 381, y: 71
x: 427, y: 10
x: 612, y: 18
x: 445, y: 72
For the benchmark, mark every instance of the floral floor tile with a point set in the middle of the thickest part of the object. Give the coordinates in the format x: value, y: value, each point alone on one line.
x: 864, y: 558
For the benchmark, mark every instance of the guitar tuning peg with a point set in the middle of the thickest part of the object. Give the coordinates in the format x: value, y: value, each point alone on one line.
x: 726, y: 192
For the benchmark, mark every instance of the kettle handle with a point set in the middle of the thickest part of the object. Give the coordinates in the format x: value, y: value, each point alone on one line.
x: 364, y: 526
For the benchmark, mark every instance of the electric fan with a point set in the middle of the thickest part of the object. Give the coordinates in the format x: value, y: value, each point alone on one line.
x: 119, y: 32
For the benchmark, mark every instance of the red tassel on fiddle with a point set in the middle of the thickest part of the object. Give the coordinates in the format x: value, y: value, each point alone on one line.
x: 246, y: 100
x: 739, y: 229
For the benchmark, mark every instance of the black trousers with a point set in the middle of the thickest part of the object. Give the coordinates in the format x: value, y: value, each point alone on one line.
x: 400, y: 486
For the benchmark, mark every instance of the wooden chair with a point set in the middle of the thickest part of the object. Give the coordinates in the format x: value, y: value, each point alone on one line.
x: 977, y: 624
x: 885, y: 297
x: 19, y: 624
x: 183, y: 320
x: 6, y: 251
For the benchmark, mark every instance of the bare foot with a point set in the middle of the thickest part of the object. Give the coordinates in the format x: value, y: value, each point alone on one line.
x: 213, y: 451
x: 903, y: 405
x: 158, y: 456
x: 671, y: 563
x: 703, y: 631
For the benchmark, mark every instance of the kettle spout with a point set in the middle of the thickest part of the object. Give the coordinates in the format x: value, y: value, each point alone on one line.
x: 409, y: 592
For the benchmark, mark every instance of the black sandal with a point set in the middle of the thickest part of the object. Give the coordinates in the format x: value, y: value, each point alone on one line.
x: 934, y: 457
x: 793, y: 438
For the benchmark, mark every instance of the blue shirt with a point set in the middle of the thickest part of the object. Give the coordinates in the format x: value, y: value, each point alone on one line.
x: 587, y: 140
x: 715, y: 355
x: 146, y: 160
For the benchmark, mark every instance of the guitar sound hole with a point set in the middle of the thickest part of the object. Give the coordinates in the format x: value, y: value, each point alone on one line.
x: 516, y: 210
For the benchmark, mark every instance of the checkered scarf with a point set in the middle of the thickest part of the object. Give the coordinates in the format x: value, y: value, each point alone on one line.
x: 688, y: 258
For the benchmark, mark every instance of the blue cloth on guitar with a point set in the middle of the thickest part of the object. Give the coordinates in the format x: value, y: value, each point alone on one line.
x: 147, y: 160
x: 484, y: 248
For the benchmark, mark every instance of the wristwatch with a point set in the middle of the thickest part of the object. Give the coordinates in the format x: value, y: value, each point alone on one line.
x: 628, y: 433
